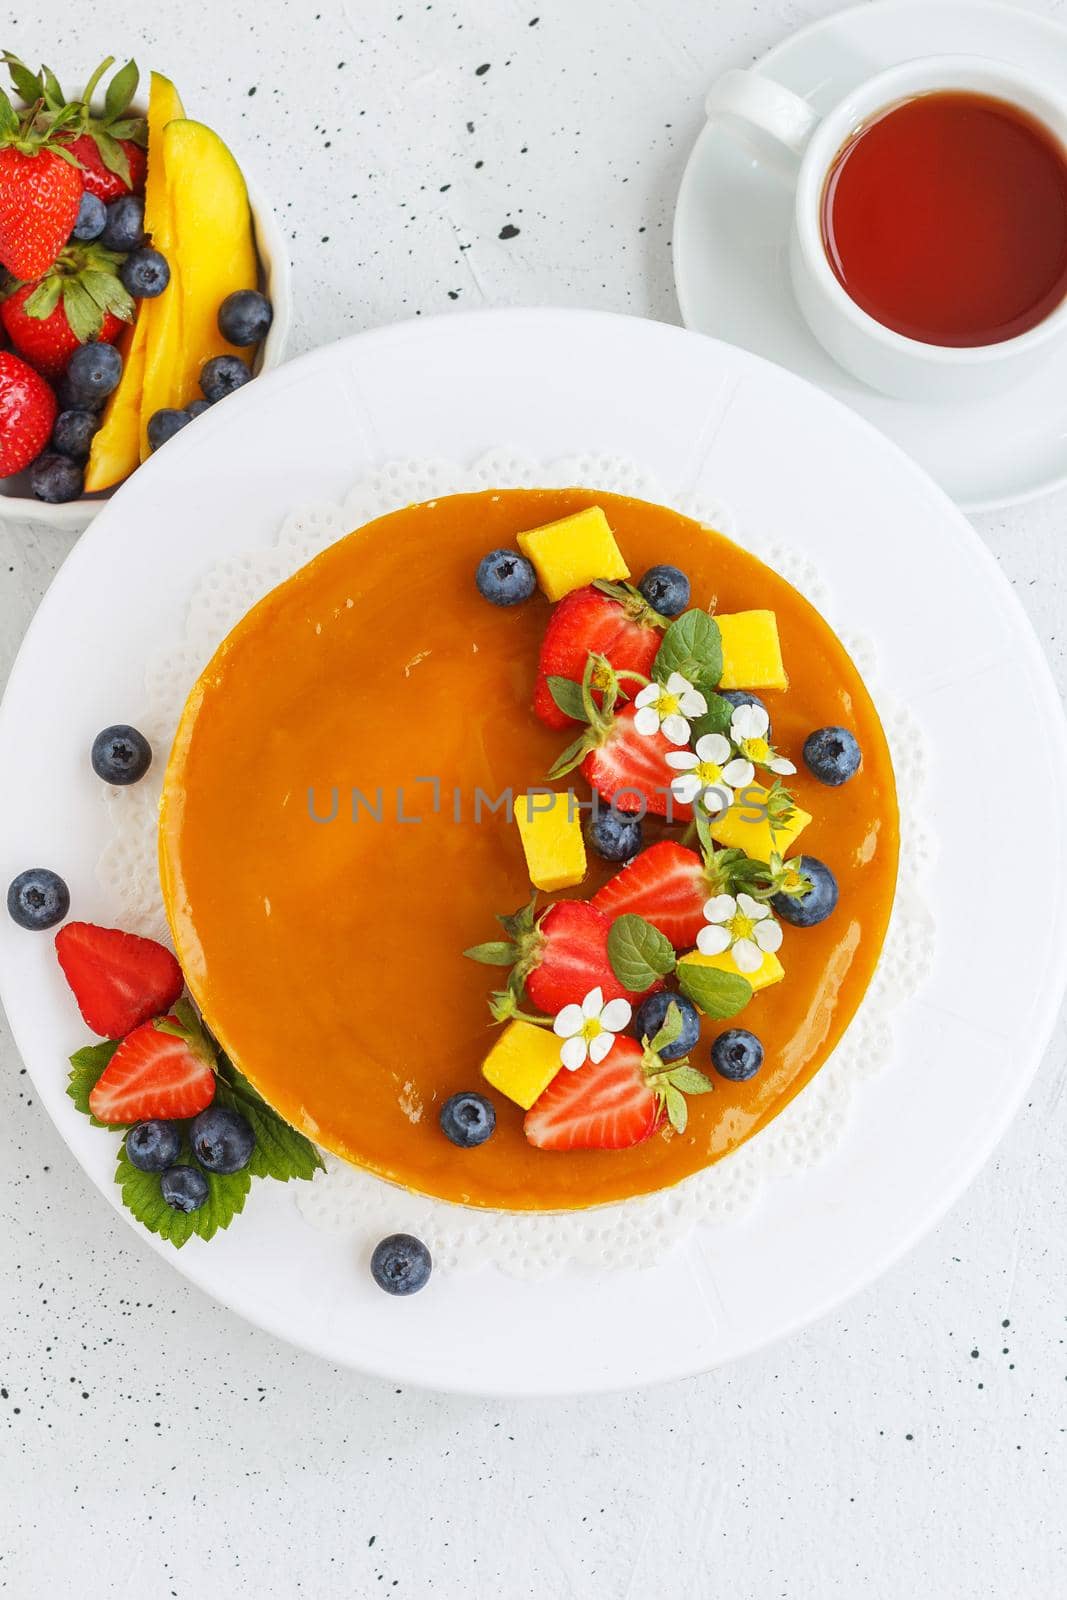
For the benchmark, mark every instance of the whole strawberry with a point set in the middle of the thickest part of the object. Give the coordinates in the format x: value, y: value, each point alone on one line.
x: 27, y: 412
x: 79, y: 300
x: 40, y: 192
x: 108, y: 143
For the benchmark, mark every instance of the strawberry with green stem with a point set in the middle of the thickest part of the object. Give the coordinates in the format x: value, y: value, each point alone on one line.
x: 613, y: 620
x: 81, y: 298
x: 626, y: 768
x: 108, y: 143
x: 555, y: 958
x: 40, y: 190
x: 164, y: 1069
x: 620, y: 1101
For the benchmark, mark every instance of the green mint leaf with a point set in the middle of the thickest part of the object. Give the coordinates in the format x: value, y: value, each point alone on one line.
x: 692, y: 645
x: 668, y: 1033
x: 690, y: 1081
x: 29, y: 88
x: 112, y: 154
x: 494, y: 953
x: 677, y: 1110
x: 718, y: 994
x: 142, y: 1195
x: 716, y: 719
x: 281, y: 1151
x: 120, y: 91
x: 638, y: 952
x: 86, y: 1068
x: 568, y: 696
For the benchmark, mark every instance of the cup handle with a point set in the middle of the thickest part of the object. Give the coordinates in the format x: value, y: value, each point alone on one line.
x: 773, y: 121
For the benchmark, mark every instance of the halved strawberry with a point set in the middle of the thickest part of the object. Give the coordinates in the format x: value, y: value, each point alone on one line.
x: 119, y: 979
x: 613, y: 621
x: 163, y: 1069
x: 603, y: 1106
x: 557, y: 957
x: 620, y: 1101
x: 667, y: 885
x: 630, y: 769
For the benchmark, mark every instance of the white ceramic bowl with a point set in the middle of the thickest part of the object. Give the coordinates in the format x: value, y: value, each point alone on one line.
x: 18, y: 505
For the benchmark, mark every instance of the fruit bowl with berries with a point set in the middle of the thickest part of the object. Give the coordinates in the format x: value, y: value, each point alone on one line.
x: 142, y: 281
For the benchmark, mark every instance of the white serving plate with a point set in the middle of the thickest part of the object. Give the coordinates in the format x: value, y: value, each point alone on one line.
x: 902, y: 561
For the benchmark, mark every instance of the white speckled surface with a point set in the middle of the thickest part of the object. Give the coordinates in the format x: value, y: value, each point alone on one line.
x: 151, y: 1444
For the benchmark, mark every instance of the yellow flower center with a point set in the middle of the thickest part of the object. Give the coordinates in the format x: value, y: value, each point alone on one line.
x: 591, y: 1028
x: 740, y: 926
x: 668, y: 705
x: 708, y: 773
x: 758, y: 751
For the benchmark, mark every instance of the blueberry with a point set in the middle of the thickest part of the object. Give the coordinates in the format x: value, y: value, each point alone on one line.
x: 505, y: 578
x: 467, y: 1119
x: 145, y: 273
x: 121, y: 755
x: 832, y: 755
x: 666, y: 589
x: 222, y: 1139
x: 70, y: 399
x: 196, y: 408
x: 154, y: 1146
x: 745, y: 697
x: 93, y: 372
x: 37, y: 898
x: 614, y: 835
x: 184, y: 1188
x: 221, y: 376
x: 245, y: 317
x: 805, y: 910
x: 92, y: 215
x: 651, y: 1015
x: 56, y: 479
x: 737, y: 1055
x: 124, y: 228
x: 401, y: 1264
x: 164, y: 424
x: 73, y: 433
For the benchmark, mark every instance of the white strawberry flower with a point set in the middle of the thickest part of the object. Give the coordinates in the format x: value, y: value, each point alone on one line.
x: 710, y: 771
x: 748, y: 731
x: 742, y: 925
x: 668, y: 706
x: 588, y: 1030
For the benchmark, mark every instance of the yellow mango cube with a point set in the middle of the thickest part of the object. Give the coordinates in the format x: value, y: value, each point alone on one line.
x: 550, y: 827
x: 769, y: 971
x: 747, y: 826
x: 751, y: 651
x: 523, y: 1062
x: 572, y: 552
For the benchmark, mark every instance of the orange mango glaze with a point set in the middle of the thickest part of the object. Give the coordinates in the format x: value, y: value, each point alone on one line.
x: 326, y: 955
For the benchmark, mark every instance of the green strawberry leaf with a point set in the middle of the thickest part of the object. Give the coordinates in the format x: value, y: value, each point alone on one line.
x: 132, y: 129
x: 120, y: 91
x: 29, y: 88
x: 9, y: 122
x: 572, y: 757
x: 669, y: 1032
x: 718, y: 994
x: 143, y: 1196
x: 112, y: 154
x: 86, y: 1068
x: 639, y: 953
x: 81, y: 310
x: 568, y: 696
x: 495, y: 953
x: 677, y: 1110
x: 44, y: 299
x: 281, y: 1151
x: 692, y: 645
x: 108, y: 292
x: 716, y: 719
x: 690, y: 1081
x: 54, y: 97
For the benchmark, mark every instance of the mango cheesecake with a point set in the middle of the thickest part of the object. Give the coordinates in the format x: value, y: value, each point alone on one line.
x: 531, y: 849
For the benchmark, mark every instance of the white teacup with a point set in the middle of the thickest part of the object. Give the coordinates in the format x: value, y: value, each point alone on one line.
x: 786, y: 132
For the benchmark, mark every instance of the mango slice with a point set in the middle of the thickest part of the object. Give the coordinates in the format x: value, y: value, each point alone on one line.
x: 572, y: 552
x: 770, y: 970
x: 523, y: 1062
x: 751, y: 651
x: 550, y: 827
x: 746, y: 826
x: 214, y: 244
x: 115, y: 450
x: 161, y: 317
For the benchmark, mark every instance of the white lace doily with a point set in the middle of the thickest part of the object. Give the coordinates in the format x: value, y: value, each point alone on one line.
x: 628, y: 1233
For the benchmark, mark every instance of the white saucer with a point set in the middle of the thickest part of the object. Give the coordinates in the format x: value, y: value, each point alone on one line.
x: 732, y: 222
